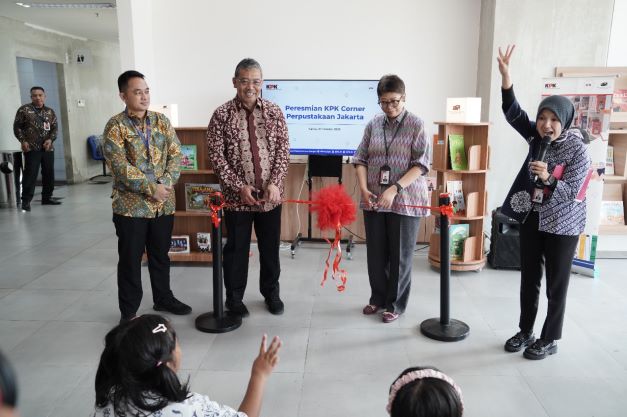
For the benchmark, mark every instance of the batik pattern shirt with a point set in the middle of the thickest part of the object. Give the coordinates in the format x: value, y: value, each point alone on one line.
x: 195, y: 406
x: 560, y: 212
x: 135, y: 174
x: 29, y: 126
x: 231, y: 153
x: 409, y: 148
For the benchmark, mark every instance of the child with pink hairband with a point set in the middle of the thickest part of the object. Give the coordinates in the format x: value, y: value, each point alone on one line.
x: 425, y: 392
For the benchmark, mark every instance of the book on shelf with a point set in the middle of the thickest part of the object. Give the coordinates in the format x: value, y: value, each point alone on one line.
x: 457, y: 152
x: 457, y: 235
x: 612, y: 213
x: 619, y: 101
x: 179, y: 244
x: 203, y: 239
x: 455, y: 189
x: 609, y: 161
x: 586, y: 247
x: 189, y: 160
x: 197, y: 196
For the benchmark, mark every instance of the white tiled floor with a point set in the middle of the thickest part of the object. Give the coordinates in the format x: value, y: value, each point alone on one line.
x: 58, y: 299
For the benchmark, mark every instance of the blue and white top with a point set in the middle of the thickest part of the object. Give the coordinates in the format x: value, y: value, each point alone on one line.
x: 195, y: 406
x: 559, y: 212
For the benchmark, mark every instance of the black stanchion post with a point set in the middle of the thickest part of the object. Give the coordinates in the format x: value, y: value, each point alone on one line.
x: 444, y: 328
x: 217, y: 321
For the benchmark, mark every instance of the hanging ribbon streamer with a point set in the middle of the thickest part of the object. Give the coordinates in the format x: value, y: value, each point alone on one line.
x: 335, y: 209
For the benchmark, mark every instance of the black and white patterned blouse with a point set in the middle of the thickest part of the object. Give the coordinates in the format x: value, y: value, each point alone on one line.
x: 560, y: 213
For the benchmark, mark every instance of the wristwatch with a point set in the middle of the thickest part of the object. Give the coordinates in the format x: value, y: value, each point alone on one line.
x: 549, y: 181
x: 399, y: 187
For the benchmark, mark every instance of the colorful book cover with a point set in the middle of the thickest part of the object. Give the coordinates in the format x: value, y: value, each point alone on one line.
x: 189, y: 161
x: 609, y: 161
x: 179, y: 244
x: 455, y: 189
x: 612, y: 213
x: 197, y: 196
x: 619, y: 103
x: 203, y: 240
x: 459, y: 161
x: 457, y: 235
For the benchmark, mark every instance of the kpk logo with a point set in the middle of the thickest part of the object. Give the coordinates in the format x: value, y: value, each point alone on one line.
x: 550, y: 85
x: 272, y: 86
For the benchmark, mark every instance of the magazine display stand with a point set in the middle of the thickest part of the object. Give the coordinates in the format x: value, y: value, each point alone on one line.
x: 617, y: 137
x: 475, y: 142
x: 191, y: 222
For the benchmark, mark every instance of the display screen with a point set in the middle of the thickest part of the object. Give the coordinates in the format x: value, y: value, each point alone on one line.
x: 324, y: 117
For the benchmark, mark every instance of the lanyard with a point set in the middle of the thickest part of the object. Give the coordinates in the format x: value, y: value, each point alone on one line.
x: 38, y: 113
x: 385, y: 139
x: 145, y: 138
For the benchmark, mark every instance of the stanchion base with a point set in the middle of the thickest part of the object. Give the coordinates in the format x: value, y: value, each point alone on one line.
x: 455, y: 331
x: 208, y: 323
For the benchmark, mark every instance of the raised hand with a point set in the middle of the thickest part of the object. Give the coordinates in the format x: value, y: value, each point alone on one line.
x: 268, y: 358
x: 262, y: 368
x: 503, y: 60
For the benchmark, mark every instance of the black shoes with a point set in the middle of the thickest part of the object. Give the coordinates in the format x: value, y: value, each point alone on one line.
x: 541, y: 349
x: 519, y: 341
x: 50, y: 202
x: 173, y: 306
x: 275, y: 305
x: 26, y: 206
x: 237, y: 307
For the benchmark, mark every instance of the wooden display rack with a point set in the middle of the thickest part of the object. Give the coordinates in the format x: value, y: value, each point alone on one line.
x: 474, y: 189
x: 191, y: 222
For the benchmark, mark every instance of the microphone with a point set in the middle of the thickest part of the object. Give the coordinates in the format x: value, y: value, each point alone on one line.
x: 541, y: 154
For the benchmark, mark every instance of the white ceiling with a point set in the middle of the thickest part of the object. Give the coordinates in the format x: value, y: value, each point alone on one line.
x: 95, y: 24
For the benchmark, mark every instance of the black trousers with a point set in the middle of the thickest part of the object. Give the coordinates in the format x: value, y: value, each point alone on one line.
x: 235, y: 256
x: 537, y: 251
x: 134, y: 235
x: 390, y: 244
x: 35, y: 159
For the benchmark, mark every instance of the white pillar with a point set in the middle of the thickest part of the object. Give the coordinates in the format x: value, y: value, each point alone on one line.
x: 135, y: 36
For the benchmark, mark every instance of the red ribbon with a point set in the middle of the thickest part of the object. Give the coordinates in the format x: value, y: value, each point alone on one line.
x: 338, y: 274
x: 215, y: 208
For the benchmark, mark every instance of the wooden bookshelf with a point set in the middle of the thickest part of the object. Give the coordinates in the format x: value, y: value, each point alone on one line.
x: 474, y: 190
x: 191, y: 222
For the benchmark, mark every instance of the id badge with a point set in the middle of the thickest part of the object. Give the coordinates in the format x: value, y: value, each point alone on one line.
x: 384, y: 175
x: 46, y: 126
x: 538, y: 195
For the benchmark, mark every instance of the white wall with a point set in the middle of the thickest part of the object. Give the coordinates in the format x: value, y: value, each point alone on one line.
x: 197, y: 43
x: 94, y: 83
x: 617, y: 56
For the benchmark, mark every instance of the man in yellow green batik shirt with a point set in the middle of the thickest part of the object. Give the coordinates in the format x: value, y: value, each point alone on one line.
x: 144, y: 155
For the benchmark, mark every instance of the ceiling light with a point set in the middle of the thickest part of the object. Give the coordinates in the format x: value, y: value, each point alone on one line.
x: 68, y: 5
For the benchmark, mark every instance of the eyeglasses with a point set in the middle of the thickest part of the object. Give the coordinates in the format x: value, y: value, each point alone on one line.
x: 246, y: 81
x: 391, y: 103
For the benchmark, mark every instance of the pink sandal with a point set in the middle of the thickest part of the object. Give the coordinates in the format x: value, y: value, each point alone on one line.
x: 389, y: 317
x: 370, y: 309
